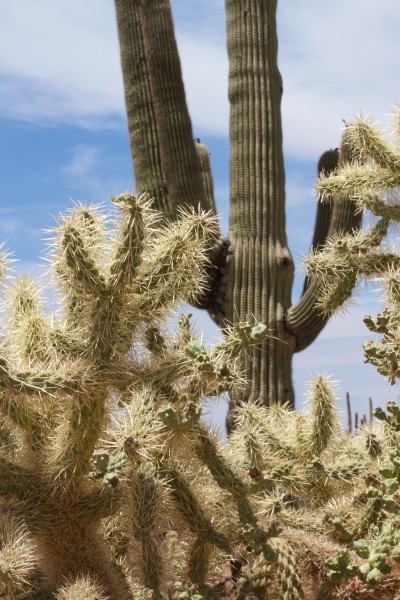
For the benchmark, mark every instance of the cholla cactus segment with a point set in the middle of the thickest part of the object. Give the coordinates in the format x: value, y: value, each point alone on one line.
x: 288, y: 571
x: 129, y: 245
x: 366, y: 139
x: 324, y: 417
x: 175, y: 264
x: 372, y: 182
x: 257, y: 579
x: 192, y: 512
x: 345, y: 259
x: 5, y: 265
x: 17, y: 555
x: 83, y: 587
x: 144, y: 509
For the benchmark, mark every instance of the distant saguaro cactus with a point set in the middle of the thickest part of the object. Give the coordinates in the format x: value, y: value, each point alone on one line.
x: 251, y: 271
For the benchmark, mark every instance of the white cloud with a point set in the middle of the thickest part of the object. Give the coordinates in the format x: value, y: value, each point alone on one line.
x: 86, y: 173
x: 59, y: 61
x: 83, y: 161
x: 336, y: 59
x: 8, y: 226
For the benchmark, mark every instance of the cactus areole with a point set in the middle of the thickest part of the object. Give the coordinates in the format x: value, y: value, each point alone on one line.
x: 251, y: 272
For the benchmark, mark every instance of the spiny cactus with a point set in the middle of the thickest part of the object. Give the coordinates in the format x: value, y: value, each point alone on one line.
x: 372, y: 183
x: 61, y: 379
x: 104, y: 409
x: 104, y: 457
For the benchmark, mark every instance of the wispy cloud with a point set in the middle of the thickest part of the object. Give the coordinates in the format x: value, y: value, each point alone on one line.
x: 336, y: 60
x: 69, y: 71
x: 86, y: 170
x: 83, y: 162
x: 9, y: 226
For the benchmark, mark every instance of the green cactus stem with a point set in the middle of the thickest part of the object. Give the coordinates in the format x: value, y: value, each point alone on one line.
x: 250, y: 273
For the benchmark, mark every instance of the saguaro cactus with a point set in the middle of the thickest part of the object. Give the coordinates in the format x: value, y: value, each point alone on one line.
x: 252, y: 271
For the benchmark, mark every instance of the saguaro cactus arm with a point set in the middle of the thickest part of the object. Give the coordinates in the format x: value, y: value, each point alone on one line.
x: 167, y: 163
x: 142, y: 125
x: 146, y: 30
x: 327, y: 163
x: 305, y: 319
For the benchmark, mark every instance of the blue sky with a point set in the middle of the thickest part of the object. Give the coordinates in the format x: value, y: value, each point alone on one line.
x: 63, y: 127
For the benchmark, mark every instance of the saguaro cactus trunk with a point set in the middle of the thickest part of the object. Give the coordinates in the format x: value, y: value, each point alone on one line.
x: 261, y: 266
x: 251, y: 272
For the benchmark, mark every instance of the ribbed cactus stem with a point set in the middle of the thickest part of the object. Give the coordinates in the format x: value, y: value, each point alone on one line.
x: 179, y: 159
x: 149, y: 175
x: 261, y: 267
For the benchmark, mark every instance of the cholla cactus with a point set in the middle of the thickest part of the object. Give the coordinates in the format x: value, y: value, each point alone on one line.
x: 111, y: 486
x: 372, y: 181
x: 102, y: 409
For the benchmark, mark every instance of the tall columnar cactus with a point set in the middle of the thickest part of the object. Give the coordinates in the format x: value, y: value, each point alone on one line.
x: 251, y: 272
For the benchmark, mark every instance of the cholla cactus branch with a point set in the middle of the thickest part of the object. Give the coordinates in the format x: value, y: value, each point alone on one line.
x: 129, y: 250
x: 17, y: 481
x: 80, y: 262
x: 59, y: 403
x: 355, y: 180
x: 143, y: 510
x: 366, y: 139
x: 17, y: 560
x: 324, y: 417
x: 192, y: 512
